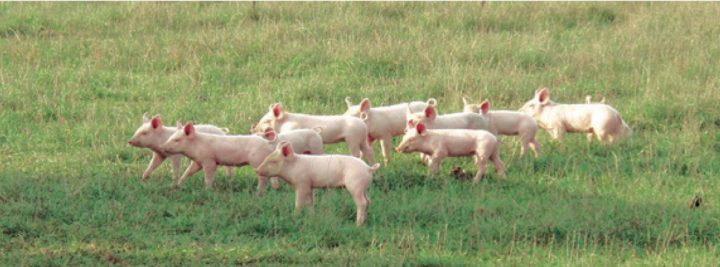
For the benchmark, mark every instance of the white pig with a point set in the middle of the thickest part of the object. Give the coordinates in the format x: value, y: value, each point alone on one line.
x: 208, y: 151
x: 152, y: 134
x: 305, y: 141
x: 306, y: 172
x: 508, y: 122
x: 432, y: 120
x: 599, y: 119
x: 384, y: 123
x: 454, y: 143
x: 336, y: 129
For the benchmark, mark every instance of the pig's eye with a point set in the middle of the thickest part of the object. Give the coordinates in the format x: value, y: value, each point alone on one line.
x: 177, y: 140
x: 145, y: 133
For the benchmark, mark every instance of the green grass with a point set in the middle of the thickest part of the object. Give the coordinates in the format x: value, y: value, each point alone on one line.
x: 76, y: 77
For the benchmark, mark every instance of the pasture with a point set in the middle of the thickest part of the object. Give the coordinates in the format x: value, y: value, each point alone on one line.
x: 75, y: 79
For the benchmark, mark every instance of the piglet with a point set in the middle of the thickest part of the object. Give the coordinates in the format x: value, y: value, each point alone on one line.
x: 336, y: 129
x: 454, y: 143
x: 208, y: 151
x: 152, y: 134
x: 599, y: 119
x: 508, y: 122
x: 306, y: 172
x: 432, y: 120
x: 385, y: 122
x: 305, y: 141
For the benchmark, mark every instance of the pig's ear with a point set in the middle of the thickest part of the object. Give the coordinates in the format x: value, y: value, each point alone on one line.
x: 270, y: 134
x: 179, y: 124
x: 278, y: 110
x: 347, y: 100
x: 430, y: 112
x: 543, y: 96
x: 145, y: 118
x: 421, y: 128
x: 485, y: 106
x: 252, y: 128
x: 603, y: 100
x: 465, y: 102
x: 408, y: 111
x: 287, y: 150
x: 410, y: 125
x: 190, y: 129
x: 365, y: 105
x: 156, y: 122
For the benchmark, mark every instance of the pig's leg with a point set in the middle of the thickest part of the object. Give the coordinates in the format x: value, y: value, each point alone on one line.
x: 434, y: 163
x: 229, y: 171
x: 499, y: 166
x: 589, y: 137
x: 301, y: 196
x: 192, y: 169
x: 559, y: 134
x: 535, y: 147
x: 175, y: 159
x: 362, y: 205
x: 154, y: 163
x: 386, y: 145
x: 367, y: 151
x: 482, y: 168
x: 262, y: 180
x: 274, y: 182
x: 210, y: 169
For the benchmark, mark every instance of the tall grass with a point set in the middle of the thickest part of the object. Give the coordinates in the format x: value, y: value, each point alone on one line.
x: 76, y: 77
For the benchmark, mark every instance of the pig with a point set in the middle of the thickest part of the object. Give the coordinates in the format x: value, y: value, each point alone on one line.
x: 599, y: 119
x: 152, y: 134
x: 335, y: 128
x: 455, y: 143
x: 386, y: 122
x: 208, y: 151
x: 588, y: 97
x: 306, y: 172
x: 432, y: 120
x: 305, y: 141
x: 508, y: 122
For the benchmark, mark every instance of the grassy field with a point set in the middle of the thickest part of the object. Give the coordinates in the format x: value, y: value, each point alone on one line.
x: 76, y: 77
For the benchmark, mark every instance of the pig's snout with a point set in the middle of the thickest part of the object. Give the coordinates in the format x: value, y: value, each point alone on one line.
x: 398, y: 149
x: 257, y: 171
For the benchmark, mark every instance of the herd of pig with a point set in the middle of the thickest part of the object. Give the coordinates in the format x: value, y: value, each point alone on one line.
x: 290, y: 145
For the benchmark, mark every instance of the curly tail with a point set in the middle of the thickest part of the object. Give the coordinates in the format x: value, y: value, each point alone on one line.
x: 375, y: 167
x: 432, y: 102
x: 225, y: 130
x: 318, y: 129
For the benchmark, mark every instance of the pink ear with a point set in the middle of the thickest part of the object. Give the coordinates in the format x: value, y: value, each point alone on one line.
x: 179, y: 124
x: 287, y: 150
x: 365, y: 105
x: 189, y: 129
x: 543, y: 96
x: 156, y: 122
x: 145, y: 118
x: 430, y: 112
x: 421, y: 128
x: 465, y: 102
x: 485, y: 107
x: 270, y: 134
x: 278, y: 110
x: 411, y: 124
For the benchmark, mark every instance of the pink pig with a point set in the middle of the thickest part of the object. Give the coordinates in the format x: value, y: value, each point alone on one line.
x: 508, y: 122
x: 208, y: 151
x: 306, y: 172
x: 432, y: 120
x: 386, y: 122
x: 455, y: 143
x: 599, y: 119
x: 335, y: 128
x: 152, y: 134
x: 305, y: 141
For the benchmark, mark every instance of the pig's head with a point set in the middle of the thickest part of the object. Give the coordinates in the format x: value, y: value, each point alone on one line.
x: 274, y: 164
x: 272, y: 118
x: 357, y: 110
x: 411, y: 138
x: 181, y: 140
x: 425, y: 116
x: 148, y: 134
x: 536, y: 106
x: 482, y: 108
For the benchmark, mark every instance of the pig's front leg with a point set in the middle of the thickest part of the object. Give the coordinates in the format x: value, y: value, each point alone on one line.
x: 274, y: 182
x: 435, y: 161
x: 262, y: 180
x: 192, y: 169
x: 176, y: 159
x: 154, y: 163
x: 559, y: 134
x: 303, y: 193
x: 209, y: 172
